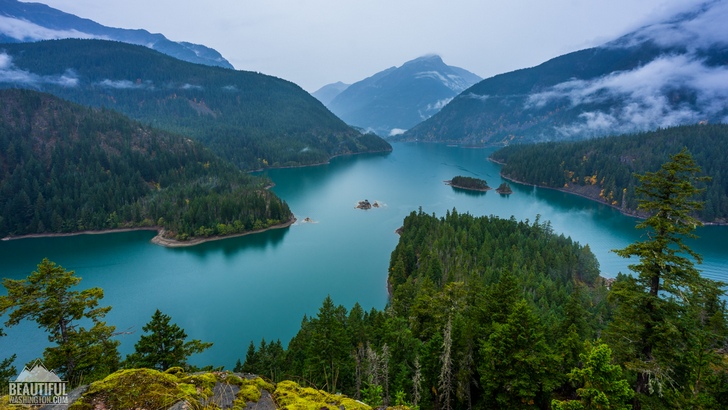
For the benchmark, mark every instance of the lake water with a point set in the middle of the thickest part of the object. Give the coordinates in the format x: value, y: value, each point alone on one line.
x: 259, y: 286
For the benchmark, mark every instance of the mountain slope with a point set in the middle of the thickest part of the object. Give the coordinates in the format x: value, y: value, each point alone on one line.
x: 69, y: 168
x: 397, y: 98
x: 666, y: 74
x: 604, y: 169
x: 251, y: 119
x: 26, y: 22
x: 328, y: 92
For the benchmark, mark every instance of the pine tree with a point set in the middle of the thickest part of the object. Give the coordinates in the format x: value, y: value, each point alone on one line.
x: 164, y: 346
x: 45, y: 297
x: 652, y: 319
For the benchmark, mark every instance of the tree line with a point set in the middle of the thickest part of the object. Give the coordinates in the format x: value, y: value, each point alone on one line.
x: 67, y: 168
x: 484, y: 313
x: 493, y: 313
x: 604, y: 168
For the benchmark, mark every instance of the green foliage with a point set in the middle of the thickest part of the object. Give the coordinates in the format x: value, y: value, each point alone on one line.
x: 291, y: 396
x: 65, y: 168
x: 660, y: 329
x: 252, y: 120
x: 165, y: 346
x: 46, y: 298
x: 469, y: 183
x: 457, y: 298
x: 518, y: 368
x: 602, y: 384
x: 372, y: 395
x: 604, y: 169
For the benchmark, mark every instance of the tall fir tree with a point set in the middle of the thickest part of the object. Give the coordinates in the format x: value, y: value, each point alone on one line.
x: 164, y: 346
x: 652, y: 326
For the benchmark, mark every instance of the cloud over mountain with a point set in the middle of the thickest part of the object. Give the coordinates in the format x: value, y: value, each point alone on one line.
x: 668, y: 73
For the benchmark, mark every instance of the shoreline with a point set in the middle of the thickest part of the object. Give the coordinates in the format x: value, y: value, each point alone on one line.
x: 173, y: 243
x: 318, y: 164
x: 566, y: 191
x: 157, y: 239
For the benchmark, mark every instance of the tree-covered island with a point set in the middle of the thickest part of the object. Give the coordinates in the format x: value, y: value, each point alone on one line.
x: 470, y: 183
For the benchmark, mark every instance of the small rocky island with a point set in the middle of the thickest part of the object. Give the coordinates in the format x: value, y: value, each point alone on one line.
x: 504, y: 189
x: 365, y: 204
x: 470, y: 183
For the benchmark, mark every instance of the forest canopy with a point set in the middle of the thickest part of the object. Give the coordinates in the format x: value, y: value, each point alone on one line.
x: 68, y: 168
x: 603, y: 169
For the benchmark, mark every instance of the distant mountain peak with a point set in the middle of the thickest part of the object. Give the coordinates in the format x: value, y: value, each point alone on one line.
x: 397, y: 98
x: 26, y: 22
x: 668, y: 73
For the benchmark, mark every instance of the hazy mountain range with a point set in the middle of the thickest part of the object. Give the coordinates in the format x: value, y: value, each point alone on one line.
x: 251, y: 119
x: 665, y: 74
x: 396, y: 99
x: 24, y: 22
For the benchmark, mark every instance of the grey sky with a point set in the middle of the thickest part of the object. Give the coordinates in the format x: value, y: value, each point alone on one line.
x: 316, y: 42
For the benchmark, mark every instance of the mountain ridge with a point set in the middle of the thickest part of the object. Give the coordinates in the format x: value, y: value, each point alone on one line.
x: 253, y: 120
x: 665, y: 74
x: 23, y: 22
x: 397, y: 98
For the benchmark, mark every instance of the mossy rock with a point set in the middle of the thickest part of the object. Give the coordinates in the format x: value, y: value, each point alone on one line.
x: 291, y: 396
x: 137, y: 389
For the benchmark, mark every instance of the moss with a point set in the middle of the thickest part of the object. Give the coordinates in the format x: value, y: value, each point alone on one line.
x: 262, y: 384
x: 136, y: 388
x: 249, y: 392
x: 177, y: 371
x: 203, y: 382
x: 291, y: 396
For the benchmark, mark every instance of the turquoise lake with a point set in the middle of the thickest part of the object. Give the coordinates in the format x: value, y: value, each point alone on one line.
x: 236, y: 290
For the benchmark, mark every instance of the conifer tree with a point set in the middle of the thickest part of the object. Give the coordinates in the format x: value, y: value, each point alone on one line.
x: 652, y: 322
x: 164, y: 346
x: 45, y: 297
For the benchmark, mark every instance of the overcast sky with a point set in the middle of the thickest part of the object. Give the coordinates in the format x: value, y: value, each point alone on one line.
x: 316, y: 42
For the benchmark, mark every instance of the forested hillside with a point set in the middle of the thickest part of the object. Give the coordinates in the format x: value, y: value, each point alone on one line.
x: 250, y: 119
x: 68, y: 168
x: 470, y: 298
x: 603, y: 169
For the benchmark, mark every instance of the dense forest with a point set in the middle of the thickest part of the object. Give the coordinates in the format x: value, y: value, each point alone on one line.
x: 68, y: 168
x: 603, y: 169
x: 475, y: 184
x: 470, y: 297
x: 493, y: 314
x: 484, y: 313
x: 254, y: 120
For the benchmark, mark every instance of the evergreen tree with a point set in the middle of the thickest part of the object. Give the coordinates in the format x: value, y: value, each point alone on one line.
x: 164, y: 346
x: 602, y: 384
x: 652, y: 321
x: 45, y: 297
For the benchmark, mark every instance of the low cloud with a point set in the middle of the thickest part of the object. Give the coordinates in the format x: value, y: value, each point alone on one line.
x: 437, y: 105
x: 191, y: 87
x: 123, y: 84
x: 23, y: 30
x: 644, y: 98
x: 396, y: 131
x: 698, y: 29
x: 474, y: 96
x: 9, y: 73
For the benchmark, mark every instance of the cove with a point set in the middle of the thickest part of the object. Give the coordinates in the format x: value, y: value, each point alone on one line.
x: 258, y: 286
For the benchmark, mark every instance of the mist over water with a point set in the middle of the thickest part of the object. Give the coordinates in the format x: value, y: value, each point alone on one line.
x: 258, y: 286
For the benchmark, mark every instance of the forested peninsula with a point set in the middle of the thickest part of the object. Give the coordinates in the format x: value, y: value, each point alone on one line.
x: 603, y: 169
x: 66, y: 168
